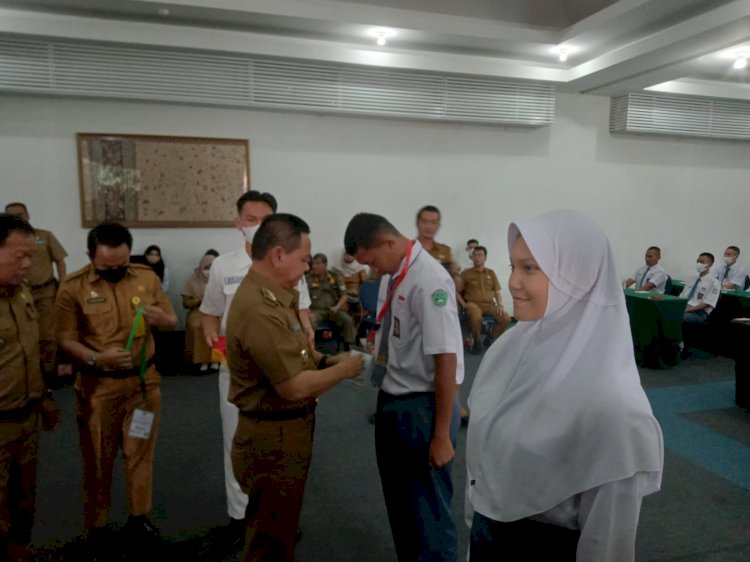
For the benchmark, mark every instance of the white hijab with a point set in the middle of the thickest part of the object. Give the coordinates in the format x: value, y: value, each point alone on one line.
x: 557, y: 407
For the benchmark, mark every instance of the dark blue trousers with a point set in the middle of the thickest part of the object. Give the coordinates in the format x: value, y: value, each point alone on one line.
x: 418, y: 498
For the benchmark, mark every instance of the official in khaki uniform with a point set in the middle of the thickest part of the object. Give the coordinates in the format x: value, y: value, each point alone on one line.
x: 96, y: 308
x: 41, y: 279
x: 428, y: 224
x: 275, y: 377
x: 24, y: 402
x: 328, y: 297
x: 481, y: 295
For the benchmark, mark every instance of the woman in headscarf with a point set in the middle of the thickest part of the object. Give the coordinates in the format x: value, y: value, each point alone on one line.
x: 155, y: 261
x: 196, y: 350
x: 562, y: 444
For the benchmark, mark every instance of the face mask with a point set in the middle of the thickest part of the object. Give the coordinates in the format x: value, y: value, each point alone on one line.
x: 206, y: 272
x: 114, y: 274
x: 728, y: 260
x: 249, y: 232
x: 700, y: 267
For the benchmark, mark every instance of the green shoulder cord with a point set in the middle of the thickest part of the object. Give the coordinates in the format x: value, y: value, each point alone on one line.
x: 129, y: 345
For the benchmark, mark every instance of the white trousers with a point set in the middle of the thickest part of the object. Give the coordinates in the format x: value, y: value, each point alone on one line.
x: 236, y: 498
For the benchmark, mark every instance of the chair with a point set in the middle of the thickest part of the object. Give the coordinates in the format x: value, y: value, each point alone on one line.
x: 326, y: 335
x: 368, y: 299
x: 668, y: 286
x: 747, y: 283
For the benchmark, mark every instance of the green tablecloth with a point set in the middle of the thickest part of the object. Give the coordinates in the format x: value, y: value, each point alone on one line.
x: 656, y: 326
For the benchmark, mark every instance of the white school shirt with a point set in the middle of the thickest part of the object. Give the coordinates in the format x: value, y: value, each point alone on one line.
x: 707, y: 292
x: 737, y: 274
x: 656, y: 275
x: 227, y: 272
x: 424, y: 322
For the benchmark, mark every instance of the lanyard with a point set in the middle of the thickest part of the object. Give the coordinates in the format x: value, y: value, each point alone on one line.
x: 395, y: 285
x: 139, y: 318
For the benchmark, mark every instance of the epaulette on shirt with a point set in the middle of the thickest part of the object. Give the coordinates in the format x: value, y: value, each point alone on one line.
x: 269, y: 297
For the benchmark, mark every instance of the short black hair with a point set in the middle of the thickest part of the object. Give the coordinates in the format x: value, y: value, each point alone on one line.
x: 283, y: 230
x: 320, y: 257
x: 472, y: 241
x: 481, y: 249
x: 735, y: 248
x: 428, y: 209
x: 17, y: 204
x: 111, y: 234
x: 258, y: 197
x: 10, y: 224
x: 657, y: 249
x: 364, y: 231
x: 212, y: 252
x: 709, y: 255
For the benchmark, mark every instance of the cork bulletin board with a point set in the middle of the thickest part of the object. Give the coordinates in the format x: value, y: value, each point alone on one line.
x: 152, y: 181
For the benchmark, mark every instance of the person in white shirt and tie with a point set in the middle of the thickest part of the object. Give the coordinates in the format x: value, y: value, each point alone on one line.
x: 731, y: 274
x: 651, y: 277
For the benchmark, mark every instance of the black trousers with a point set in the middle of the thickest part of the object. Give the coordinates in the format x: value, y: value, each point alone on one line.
x: 524, y: 540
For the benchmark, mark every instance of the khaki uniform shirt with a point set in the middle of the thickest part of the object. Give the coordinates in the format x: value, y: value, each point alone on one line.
x: 441, y: 253
x: 102, y: 314
x: 20, y: 373
x: 479, y: 286
x: 46, y: 250
x: 325, y: 292
x: 265, y: 345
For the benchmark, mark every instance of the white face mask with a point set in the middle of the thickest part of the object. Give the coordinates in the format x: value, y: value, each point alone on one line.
x: 206, y: 272
x: 700, y: 267
x: 728, y: 260
x: 249, y: 232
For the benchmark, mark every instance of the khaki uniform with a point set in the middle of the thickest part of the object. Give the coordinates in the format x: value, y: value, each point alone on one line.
x: 273, y: 443
x: 325, y: 293
x: 479, y: 294
x: 101, y: 315
x: 21, y: 388
x: 442, y: 253
x: 43, y: 287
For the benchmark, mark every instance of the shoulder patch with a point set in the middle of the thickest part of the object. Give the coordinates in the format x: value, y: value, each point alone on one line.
x: 440, y: 298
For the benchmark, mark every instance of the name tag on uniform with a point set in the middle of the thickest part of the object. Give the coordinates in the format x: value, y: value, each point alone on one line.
x: 40, y: 242
x: 141, y: 424
x: 95, y: 300
x: 396, y: 327
x: 296, y: 328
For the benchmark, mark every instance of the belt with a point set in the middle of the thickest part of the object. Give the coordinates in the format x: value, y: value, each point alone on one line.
x: 281, y: 415
x: 88, y: 371
x: 43, y: 285
x: 16, y: 414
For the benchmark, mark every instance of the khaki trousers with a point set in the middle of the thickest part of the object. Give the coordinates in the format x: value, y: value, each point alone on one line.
x: 475, y: 310
x: 105, y: 410
x: 44, y: 302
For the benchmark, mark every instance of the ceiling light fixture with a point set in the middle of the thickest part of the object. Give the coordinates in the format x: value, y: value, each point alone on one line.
x: 562, y: 54
x: 740, y: 62
x: 381, y: 34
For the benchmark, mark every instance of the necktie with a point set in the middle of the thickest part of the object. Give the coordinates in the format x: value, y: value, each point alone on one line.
x: 726, y: 273
x: 692, y: 291
x: 643, y: 277
x: 380, y: 365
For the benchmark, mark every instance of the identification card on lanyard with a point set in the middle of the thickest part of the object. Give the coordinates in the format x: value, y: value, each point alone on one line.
x: 141, y: 424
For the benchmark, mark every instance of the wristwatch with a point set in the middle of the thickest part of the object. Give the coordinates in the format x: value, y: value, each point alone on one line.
x: 92, y: 359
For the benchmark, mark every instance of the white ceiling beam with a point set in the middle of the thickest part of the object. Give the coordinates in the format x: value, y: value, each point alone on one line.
x: 705, y: 88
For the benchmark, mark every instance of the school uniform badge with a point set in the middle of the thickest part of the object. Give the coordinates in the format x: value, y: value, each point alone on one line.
x: 440, y: 298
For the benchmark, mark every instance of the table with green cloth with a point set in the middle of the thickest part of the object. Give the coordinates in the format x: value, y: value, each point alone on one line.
x: 677, y: 287
x: 656, y: 326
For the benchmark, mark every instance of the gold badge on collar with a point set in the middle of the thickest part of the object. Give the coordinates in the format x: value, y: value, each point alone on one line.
x: 136, y: 301
x: 304, y: 354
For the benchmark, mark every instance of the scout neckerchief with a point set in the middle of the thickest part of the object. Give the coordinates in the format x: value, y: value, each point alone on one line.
x: 136, y: 321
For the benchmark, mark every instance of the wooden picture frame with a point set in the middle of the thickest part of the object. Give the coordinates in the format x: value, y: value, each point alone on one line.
x: 159, y: 181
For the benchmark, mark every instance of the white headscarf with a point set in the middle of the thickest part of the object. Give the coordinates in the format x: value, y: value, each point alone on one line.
x: 348, y: 269
x: 557, y: 407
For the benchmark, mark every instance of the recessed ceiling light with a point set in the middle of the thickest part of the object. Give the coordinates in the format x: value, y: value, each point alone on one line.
x: 740, y: 62
x: 163, y: 12
x: 381, y: 34
x: 562, y: 52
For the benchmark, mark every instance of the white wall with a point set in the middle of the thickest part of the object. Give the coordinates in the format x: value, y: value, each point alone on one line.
x: 686, y: 196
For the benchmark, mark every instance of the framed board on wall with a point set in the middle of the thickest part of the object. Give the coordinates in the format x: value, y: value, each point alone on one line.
x: 161, y: 182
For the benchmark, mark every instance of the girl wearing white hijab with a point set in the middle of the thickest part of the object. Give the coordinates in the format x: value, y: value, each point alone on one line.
x: 562, y: 444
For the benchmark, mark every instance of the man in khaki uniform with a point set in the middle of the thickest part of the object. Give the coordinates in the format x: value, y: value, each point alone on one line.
x: 328, y: 297
x: 100, y: 309
x: 47, y: 250
x: 24, y: 402
x: 481, y: 295
x: 428, y: 224
x: 275, y: 377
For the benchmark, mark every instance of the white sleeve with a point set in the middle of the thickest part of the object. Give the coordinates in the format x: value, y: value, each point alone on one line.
x: 608, y: 520
x: 214, y: 299
x: 659, y: 278
x: 712, y: 294
x: 304, y: 294
x: 737, y: 276
x: 437, y: 313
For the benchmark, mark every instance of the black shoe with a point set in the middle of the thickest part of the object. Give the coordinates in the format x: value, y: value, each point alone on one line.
x: 98, y: 545
x: 141, y: 535
x: 233, y: 535
x: 476, y: 349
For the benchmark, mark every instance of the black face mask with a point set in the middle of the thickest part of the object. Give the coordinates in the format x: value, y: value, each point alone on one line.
x: 113, y: 274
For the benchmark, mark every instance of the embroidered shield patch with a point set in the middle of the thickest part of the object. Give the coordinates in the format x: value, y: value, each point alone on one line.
x: 440, y: 298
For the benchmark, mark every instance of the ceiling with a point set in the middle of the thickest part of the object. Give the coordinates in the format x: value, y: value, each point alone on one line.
x: 614, y: 46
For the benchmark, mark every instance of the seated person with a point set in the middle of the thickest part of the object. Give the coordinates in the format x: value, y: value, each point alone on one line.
x: 481, y: 295
x: 731, y: 274
x: 651, y: 277
x: 197, y: 351
x: 328, y: 296
x: 702, y: 292
x: 354, y: 274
